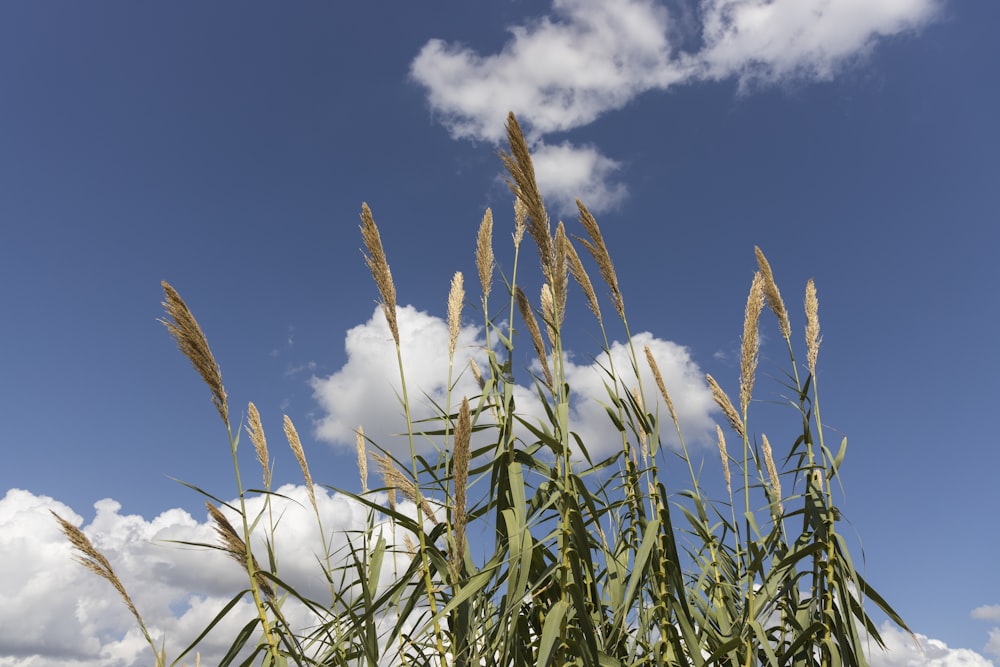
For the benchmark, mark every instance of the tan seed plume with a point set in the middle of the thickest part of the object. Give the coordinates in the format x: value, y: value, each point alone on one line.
x: 520, y: 221
x: 560, y: 277
x: 460, y: 463
x: 92, y: 559
x: 548, y: 313
x: 599, y: 251
x: 524, y: 186
x: 256, y: 432
x: 661, y: 385
x: 772, y: 473
x: 456, y: 297
x: 362, y: 459
x: 751, y: 340
x: 193, y: 344
x: 812, y: 326
x: 296, y: 444
x: 536, y: 335
x: 397, y: 481
x: 773, y: 295
x: 379, y: 267
x: 580, y: 275
x: 725, y: 460
x: 478, y: 374
x: 727, y: 406
x: 234, y: 545
x: 485, y: 261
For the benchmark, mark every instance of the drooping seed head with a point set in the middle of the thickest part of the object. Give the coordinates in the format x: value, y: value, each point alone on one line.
x: 580, y: 275
x: 599, y: 251
x: 725, y: 459
x: 661, y: 385
x: 193, y: 344
x: 300, y: 455
x: 536, y: 335
x: 237, y: 549
x: 548, y: 313
x: 524, y: 186
x: 478, y: 374
x: 727, y: 406
x: 379, y: 267
x: 773, y: 295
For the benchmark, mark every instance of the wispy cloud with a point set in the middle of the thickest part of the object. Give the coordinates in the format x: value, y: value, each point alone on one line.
x: 589, y: 57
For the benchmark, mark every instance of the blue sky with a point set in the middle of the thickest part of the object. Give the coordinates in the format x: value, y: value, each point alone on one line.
x: 227, y: 148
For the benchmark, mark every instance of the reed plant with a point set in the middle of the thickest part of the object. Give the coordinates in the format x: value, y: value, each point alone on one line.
x: 588, y: 562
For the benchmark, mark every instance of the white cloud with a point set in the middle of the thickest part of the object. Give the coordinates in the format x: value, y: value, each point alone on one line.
x: 566, y: 173
x: 771, y: 40
x: 364, y: 390
x: 55, y: 613
x: 902, y: 652
x: 589, y: 57
x: 988, y: 612
x: 556, y: 73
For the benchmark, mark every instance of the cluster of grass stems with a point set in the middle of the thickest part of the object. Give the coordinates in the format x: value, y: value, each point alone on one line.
x: 588, y: 562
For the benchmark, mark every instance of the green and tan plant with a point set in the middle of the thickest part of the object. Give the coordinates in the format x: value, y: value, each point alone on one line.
x: 585, y: 562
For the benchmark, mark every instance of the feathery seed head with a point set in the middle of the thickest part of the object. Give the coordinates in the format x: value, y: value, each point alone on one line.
x: 485, y: 261
x: 599, y: 250
x: 478, y: 374
x: 812, y: 326
x: 362, y: 459
x: 520, y: 221
x: 92, y: 559
x: 379, y: 266
x: 548, y: 313
x: 773, y: 295
x: 772, y: 473
x: 296, y: 444
x: 193, y: 344
x: 661, y: 385
x: 725, y: 459
x: 256, y: 432
x: 397, y: 481
x: 580, y: 275
x: 524, y: 186
x: 751, y: 340
x: 727, y: 406
x: 536, y: 335
x: 456, y: 297
x: 560, y: 277
x: 237, y: 549
x: 460, y: 463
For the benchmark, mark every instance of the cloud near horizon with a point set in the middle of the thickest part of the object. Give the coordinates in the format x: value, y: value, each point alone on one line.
x: 58, y: 614
x: 589, y: 57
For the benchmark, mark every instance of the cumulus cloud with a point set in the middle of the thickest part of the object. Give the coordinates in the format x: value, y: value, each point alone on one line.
x: 902, y: 652
x: 54, y: 612
x: 563, y: 71
x: 989, y: 612
x: 364, y: 390
x: 566, y: 173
